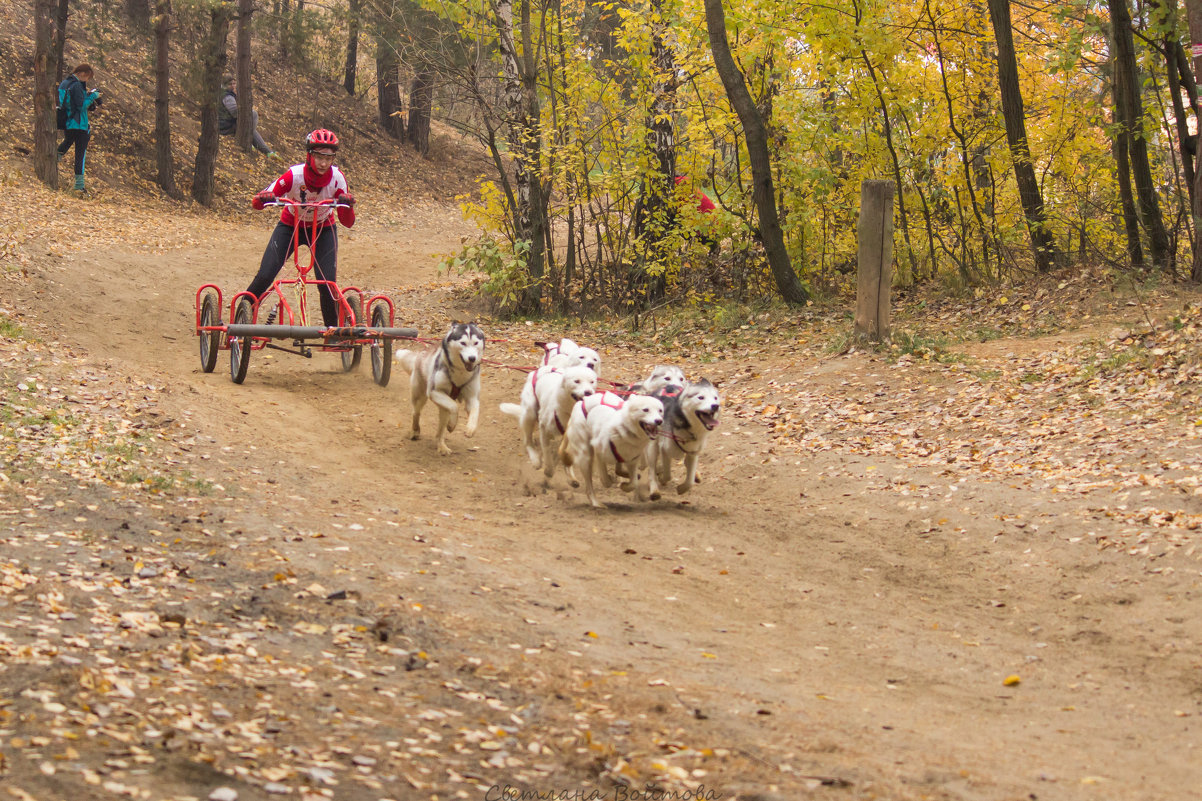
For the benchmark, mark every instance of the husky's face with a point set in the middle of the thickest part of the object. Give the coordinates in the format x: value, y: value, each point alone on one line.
x: 701, y: 400
x: 580, y: 382
x: 647, y: 412
x: 664, y: 379
x: 464, y: 344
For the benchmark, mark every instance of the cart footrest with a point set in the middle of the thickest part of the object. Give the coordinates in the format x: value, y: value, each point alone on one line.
x: 318, y: 332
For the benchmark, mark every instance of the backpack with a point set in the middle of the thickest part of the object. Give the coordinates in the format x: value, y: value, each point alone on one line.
x: 62, y: 107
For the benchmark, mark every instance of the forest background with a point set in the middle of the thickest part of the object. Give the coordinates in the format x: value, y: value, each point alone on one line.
x: 1022, y: 138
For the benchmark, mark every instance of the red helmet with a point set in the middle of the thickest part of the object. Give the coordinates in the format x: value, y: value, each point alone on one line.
x: 321, y: 138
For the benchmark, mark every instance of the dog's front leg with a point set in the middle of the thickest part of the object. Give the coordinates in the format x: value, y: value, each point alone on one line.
x: 690, y: 473
x: 473, y: 413
x: 651, y: 459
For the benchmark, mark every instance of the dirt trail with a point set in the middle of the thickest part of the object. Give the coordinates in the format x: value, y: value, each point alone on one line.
x: 807, y: 609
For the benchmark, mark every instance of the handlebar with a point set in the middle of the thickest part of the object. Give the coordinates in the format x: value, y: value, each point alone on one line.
x: 310, y: 204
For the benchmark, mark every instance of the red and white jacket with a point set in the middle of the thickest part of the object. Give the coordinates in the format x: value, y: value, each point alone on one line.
x: 301, y: 183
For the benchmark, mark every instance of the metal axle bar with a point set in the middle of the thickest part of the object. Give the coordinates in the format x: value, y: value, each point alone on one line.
x: 317, y: 332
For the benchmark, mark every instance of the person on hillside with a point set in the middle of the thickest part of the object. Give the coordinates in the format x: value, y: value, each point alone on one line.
x: 74, y: 96
x: 227, y: 117
x: 316, y: 179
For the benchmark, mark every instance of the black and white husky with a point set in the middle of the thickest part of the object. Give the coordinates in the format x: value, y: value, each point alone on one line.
x: 447, y: 374
x: 689, y: 416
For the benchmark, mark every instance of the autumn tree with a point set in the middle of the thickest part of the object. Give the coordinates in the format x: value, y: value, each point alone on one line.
x: 1042, y: 243
x: 60, y: 38
x: 387, y: 21
x: 756, y: 136
x: 244, y: 134
x: 221, y: 12
x: 162, y: 98
x: 44, y: 130
x: 1129, y: 103
x: 351, y: 63
x: 1194, y: 22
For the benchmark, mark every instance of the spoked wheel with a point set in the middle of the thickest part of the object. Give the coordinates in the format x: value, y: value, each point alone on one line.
x: 381, y: 349
x: 210, y: 341
x: 351, y: 357
x: 240, y: 346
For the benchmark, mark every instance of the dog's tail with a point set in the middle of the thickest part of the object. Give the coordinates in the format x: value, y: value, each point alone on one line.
x: 512, y: 409
x: 407, y: 359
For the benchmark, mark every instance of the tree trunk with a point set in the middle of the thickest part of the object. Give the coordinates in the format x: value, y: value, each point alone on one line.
x: 60, y: 39
x: 138, y: 12
x: 350, y: 72
x: 1122, y: 171
x: 421, y: 103
x: 214, y: 58
x: 522, y: 113
x: 162, y: 98
x: 757, y: 151
x: 1194, y: 17
x: 658, y: 212
x: 1130, y: 107
x: 1042, y: 243
x: 244, y: 134
x: 389, y: 90
x: 45, y: 134
x: 284, y: 29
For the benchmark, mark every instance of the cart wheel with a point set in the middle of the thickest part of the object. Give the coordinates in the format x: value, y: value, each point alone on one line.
x: 381, y: 349
x: 210, y: 341
x: 351, y: 358
x: 240, y: 347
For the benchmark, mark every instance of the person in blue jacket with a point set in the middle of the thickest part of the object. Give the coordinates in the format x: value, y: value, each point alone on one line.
x: 74, y: 96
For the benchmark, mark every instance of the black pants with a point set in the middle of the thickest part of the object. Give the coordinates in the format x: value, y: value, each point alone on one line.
x: 325, y: 249
x: 80, y: 140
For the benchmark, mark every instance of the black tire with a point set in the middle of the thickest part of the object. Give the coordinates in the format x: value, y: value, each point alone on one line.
x: 381, y: 349
x: 240, y: 346
x: 352, y: 357
x: 210, y: 341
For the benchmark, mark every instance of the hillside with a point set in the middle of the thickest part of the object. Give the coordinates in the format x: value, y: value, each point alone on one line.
x: 121, y: 154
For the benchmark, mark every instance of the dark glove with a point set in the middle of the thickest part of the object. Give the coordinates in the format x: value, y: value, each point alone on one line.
x: 346, y: 199
x: 262, y: 199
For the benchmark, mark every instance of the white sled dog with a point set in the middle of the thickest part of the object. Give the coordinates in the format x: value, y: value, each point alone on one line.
x: 547, y: 400
x: 605, y: 430
x: 566, y: 353
x: 447, y: 374
x: 689, y: 416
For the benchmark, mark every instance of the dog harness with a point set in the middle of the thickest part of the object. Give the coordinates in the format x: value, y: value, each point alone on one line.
x: 534, y: 386
x: 455, y: 388
x: 605, y: 401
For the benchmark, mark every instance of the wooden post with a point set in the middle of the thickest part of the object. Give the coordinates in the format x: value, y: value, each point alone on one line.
x: 875, y: 270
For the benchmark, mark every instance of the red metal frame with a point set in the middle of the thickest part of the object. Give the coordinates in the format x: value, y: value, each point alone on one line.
x: 346, y: 314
